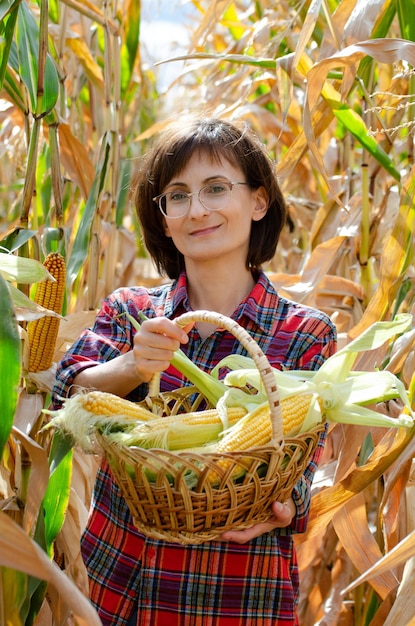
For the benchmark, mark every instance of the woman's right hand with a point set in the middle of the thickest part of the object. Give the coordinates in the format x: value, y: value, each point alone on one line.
x: 154, y: 345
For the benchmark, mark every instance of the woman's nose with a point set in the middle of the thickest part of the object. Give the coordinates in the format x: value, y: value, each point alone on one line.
x: 196, y: 208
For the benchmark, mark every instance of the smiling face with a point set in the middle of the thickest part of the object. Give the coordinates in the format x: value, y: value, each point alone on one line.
x: 208, y: 237
x: 229, y: 149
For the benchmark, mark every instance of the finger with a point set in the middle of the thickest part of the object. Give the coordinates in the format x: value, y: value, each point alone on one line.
x: 158, y: 337
x: 186, y: 329
x: 164, y: 327
x: 284, y: 512
x: 282, y: 516
x: 243, y: 536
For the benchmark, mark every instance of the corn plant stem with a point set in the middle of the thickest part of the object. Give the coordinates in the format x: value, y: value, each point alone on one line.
x: 62, y: 31
x: 365, y: 220
x: 95, y: 16
x: 93, y: 263
x: 364, y: 247
x: 43, y: 48
x: 30, y: 179
x: 411, y: 391
x: 25, y: 465
x: 56, y: 171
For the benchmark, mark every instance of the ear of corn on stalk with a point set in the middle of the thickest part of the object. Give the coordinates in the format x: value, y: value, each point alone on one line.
x: 43, y: 332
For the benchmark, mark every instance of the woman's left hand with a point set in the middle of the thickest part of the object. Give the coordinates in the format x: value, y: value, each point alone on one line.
x: 283, y: 515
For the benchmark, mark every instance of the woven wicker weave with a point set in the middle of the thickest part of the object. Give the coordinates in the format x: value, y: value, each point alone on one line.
x: 166, y: 504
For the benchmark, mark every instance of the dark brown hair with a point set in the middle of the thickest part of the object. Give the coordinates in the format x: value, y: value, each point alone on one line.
x: 170, y: 154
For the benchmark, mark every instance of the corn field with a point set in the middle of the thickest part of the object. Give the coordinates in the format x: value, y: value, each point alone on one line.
x: 329, y: 86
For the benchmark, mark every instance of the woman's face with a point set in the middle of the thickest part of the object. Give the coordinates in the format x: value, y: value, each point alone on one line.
x: 209, y: 237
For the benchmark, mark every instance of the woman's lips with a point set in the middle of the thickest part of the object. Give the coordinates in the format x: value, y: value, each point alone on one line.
x: 201, y: 232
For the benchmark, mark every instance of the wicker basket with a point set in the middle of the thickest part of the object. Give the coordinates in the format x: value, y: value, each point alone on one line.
x: 167, y: 507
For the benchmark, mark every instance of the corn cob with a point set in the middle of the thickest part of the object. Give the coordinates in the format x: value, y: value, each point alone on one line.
x: 101, y: 403
x: 192, y: 430
x: 178, y: 432
x: 43, y: 332
x: 94, y: 405
x: 129, y: 423
x: 256, y: 429
x: 86, y: 411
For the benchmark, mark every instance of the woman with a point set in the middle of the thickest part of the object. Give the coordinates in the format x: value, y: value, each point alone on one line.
x: 211, y: 213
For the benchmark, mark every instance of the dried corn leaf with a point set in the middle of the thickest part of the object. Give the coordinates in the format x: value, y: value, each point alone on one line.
x: 327, y: 502
x: 19, y: 552
x: 351, y: 526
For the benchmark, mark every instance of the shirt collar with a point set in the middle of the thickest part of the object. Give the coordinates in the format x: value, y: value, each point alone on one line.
x: 257, y: 305
x: 177, y: 301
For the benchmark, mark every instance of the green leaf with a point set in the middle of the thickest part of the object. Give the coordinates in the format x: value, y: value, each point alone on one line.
x: 7, y: 7
x: 83, y: 234
x: 406, y: 16
x: 62, y: 444
x: 54, y: 11
x: 13, y: 587
x: 14, y: 89
x: 238, y: 59
x: 28, y: 51
x: 22, y: 270
x: 132, y: 34
x: 338, y: 366
x: 55, y: 501
x: 20, y: 552
x: 356, y: 126
x: 8, y: 18
x: 16, y: 238
x: 9, y: 363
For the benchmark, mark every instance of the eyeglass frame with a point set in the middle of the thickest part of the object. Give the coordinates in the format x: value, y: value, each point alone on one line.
x: 158, y: 198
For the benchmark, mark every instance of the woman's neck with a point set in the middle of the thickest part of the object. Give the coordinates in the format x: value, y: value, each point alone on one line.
x: 221, y: 291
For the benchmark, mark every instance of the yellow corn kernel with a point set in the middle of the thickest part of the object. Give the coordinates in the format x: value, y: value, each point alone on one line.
x: 102, y: 403
x: 178, y: 432
x: 294, y: 410
x: 256, y: 430
x: 42, y: 333
x: 130, y: 424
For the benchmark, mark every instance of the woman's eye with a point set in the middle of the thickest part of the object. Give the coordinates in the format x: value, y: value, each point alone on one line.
x: 216, y: 188
x: 178, y: 196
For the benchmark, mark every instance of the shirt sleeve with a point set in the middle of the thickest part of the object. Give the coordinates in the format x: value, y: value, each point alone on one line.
x: 111, y: 335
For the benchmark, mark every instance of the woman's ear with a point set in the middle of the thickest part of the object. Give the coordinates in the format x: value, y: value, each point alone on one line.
x: 261, y: 204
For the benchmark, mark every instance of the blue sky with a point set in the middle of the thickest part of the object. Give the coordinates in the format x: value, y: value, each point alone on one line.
x: 164, y: 34
x: 170, y: 10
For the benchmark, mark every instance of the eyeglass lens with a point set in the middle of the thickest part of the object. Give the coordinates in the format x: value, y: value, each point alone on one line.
x: 214, y: 197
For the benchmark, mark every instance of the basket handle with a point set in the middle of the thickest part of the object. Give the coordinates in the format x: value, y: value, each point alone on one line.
x: 254, y: 351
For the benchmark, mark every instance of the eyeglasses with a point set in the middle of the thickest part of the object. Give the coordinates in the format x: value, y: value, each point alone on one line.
x: 214, y: 197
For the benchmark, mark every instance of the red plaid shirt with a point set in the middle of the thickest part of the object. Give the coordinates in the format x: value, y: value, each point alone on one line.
x: 215, y: 583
